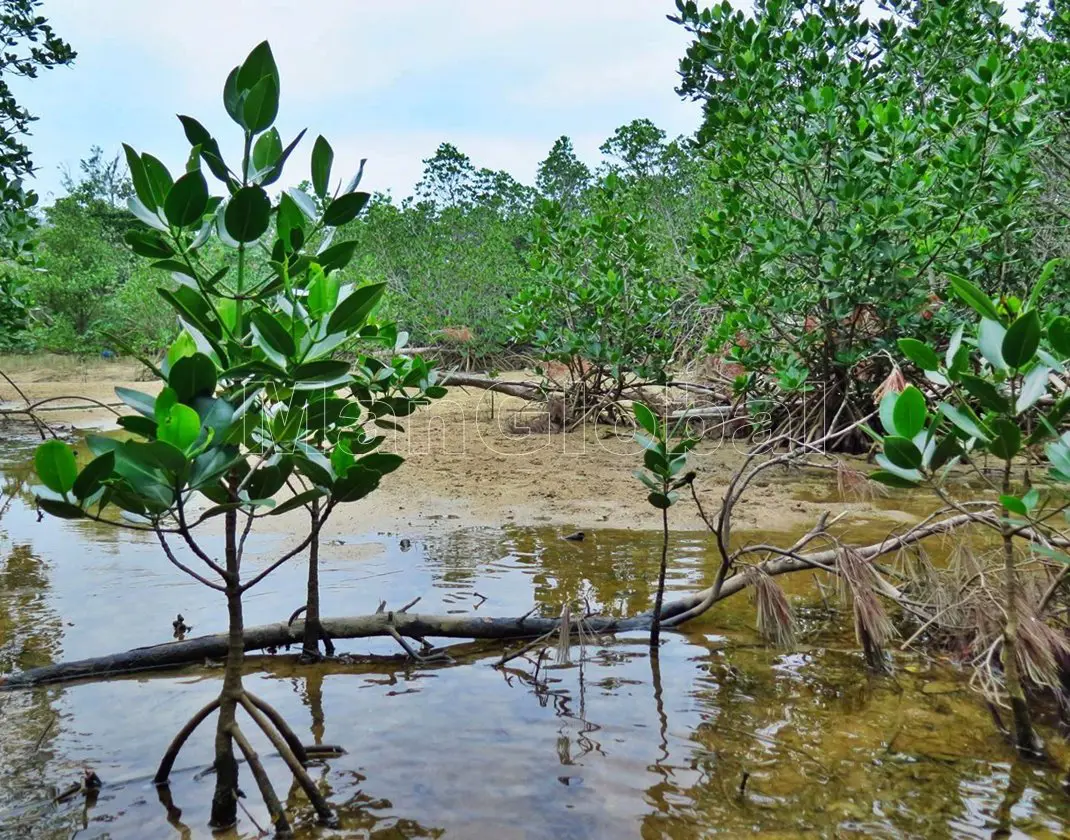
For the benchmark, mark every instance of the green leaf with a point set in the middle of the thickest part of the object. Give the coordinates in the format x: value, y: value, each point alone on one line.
x: 909, y: 414
x: 193, y: 376
x: 357, y: 483
x: 260, y: 63
x: 902, y: 452
x: 892, y: 479
x: 138, y: 425
x: 187, y: 200
x: 165, y: 400
x: 655, y: 461
x: 322, y: 158
x: 267, y: 330
x: 337, y: 256
x: 325, y: 370
x: 887, y: 412
x: 300, y: 500
x: 1022, y: 340
x: 1007, y: 441
x: 269, y: 480
x: 248, y: 214
x: 985, y: 392
x: 141, y: 403
x: 648, y: 480
x: 322, y: 292
x: 645, y: 417
x: 181, y: 428
x: 160, y: 181
x: 945, y: 451
x: 276, y: 170
x: 919, y: 353
x: 345, y: 208
x: 61, y: 510
x: 381, y: 462
x: 662, y: 501
x: 148, y: 243
x: 139, y: 178
x: 1031, y: 498
x: 990, y: 337
x: 198, y: 135
x: 90, y: 478
x: 261, y: 105
x: 1059, y: 336
x: 964, y: 422
x: 1014, y: 505
x: 192, y: 307
x: 267, y: 150
x: 304, y: 202
x: 974, y: 297
x: 352, y: 311
x: 1034, y: 386
x: 953, y: 346
x: 56, y: 466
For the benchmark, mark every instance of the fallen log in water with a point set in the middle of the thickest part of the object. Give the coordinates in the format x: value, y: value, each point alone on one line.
x: 416, y: 626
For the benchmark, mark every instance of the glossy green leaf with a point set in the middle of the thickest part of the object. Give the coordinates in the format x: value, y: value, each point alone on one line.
x: 646, y: 419
x: 1022, y: 340
x: 990, y: 336
x: 985, y: 393
x: 96, y: 471
x: 260, y: 63
x: 322, y: 292
x: 322, y: 158
x: 187, y: 200
x: 891, y: 479
x: 963, y: 421
x: 909, y: 413
x: 147, y: 243
x: 55, y: 465
x: 248, y: 214
x: 198, y: 135
x: 300, y: 500
x: 974, y: 297
x: 1059, y: 336
x: 59, y: 509
x: 160, y: 181
x: 886, y: 410
x: 953, y: 346
x: 345, y: 208
x: 276, y: 171
x: 1007, y: 440
x: 357, y: 483
x: 193, y: 376
x: 268, y: 330
x: 381, y: 462
x: 902, y: 452
x: 1034, y: 386
x: 139, y: 179
x: 919, y: 353
x: 261, y: 105
x: 946, y: 450
x: 337, y: 256
x: 267, y: 150
x: 354, y: 309
x: 1014, y: 505
x: 140, y: 402
x: 181, y: 428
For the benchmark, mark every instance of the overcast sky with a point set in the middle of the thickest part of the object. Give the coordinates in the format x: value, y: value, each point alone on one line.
x: 384, y: 80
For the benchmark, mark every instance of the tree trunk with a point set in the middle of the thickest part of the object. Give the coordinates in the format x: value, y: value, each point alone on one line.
x: 225, y: 799
x: 313, y: 629
x: 655, y: 624
x: 1025, y: 738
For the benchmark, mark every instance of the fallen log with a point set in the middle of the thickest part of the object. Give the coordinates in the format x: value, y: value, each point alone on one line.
x: 523, y: 390
x: 417, y: 626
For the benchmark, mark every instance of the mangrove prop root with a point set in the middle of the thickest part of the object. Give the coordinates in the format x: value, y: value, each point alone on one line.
x: 168, y: 760
x: 277, y: 720
x: 319, y: 802
x: 271, y: 799
x: 417, y: 626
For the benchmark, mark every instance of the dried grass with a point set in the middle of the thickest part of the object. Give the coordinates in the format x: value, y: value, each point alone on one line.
x: 776, y: 619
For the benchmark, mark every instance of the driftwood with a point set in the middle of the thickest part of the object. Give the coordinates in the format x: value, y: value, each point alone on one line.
x: 417, y: 626
x: 523, y: 390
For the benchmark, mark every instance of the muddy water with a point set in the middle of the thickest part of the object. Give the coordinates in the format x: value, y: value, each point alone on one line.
x: 616, y: 746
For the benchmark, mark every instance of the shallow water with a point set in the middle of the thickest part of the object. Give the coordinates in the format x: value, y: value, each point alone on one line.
x: 619, y: 746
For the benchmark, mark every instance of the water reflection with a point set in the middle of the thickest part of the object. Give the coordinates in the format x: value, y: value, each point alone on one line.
x: 615, y: 744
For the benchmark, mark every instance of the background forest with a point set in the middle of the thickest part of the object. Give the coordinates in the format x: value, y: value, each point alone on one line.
x: 844, y: 172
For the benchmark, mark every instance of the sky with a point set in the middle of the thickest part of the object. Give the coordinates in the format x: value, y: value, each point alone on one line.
x: 389, y: 81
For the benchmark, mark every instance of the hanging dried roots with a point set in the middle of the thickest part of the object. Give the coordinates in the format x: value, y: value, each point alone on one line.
x: 776, y: 619
x: 873, y: 627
